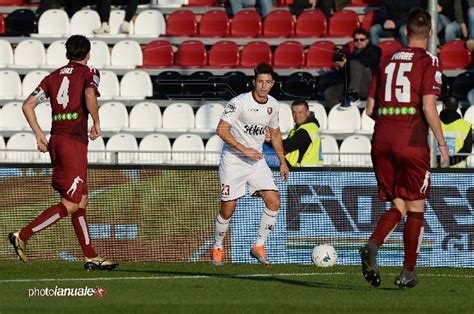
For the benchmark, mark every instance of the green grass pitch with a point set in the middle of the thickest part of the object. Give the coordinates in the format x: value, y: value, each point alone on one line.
x: 233, y: 288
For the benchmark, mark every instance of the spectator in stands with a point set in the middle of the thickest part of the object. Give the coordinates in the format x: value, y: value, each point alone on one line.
x: 462, y: 10
x: 457, y: 131
x: 324, y: 5
x: 265, y: 6
x: 104, y: 6
x: 393, y: 16
x: 447, y: 24
x: 70, y: 6
x: 355, y: 72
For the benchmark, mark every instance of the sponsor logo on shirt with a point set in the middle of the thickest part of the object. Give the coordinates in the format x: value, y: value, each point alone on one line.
x: 254, y: 129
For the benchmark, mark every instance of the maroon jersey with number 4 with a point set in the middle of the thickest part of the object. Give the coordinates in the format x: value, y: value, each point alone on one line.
x: 403, y: 78
x: 65, y: 88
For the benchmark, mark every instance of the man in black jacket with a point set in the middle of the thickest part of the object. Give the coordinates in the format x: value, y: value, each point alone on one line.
x: 355, y: 72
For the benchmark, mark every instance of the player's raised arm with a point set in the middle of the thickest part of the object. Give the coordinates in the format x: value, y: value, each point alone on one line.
x: 92, y: 107
x: 277, y: 142
x: 431, y: 114
x: 28, y: 108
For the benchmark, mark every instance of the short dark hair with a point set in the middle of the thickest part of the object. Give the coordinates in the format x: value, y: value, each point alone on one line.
x: 263, y: 68
x: 77, y: 47
x: 419, y: 23
x: 360, y: 31
x: 300, y: 102
x: 451, y: 102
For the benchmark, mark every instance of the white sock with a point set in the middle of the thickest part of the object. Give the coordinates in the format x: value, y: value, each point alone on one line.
x: 221, y: 226
x: 267, y: 221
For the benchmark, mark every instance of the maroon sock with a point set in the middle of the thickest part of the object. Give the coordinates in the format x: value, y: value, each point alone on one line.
x: 412, y: 234
x: 46, y: 219
x: 81, y: 228
x: 387, y: 223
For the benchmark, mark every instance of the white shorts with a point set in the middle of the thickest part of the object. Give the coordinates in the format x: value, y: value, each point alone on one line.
x: 235, y: 174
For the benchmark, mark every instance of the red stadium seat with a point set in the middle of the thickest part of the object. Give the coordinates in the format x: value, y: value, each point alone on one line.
x: 181, y: 23
x: 10, y: 3
x: 311, y: 23
x: 214, y: 23
x: 191, y: 53
x: 343, y: 23
x: 278, y: 24
x: 3, y: 27
x: 254, y: 53
x: 289, y: 54
x: 246, y: 23
x: 320, y: 55
x: 224, y: 54
x: 454, y: 55
x: 158, y: 53
x: 202, y: 3
x: 389, y: 46
x: 359, y: 3
x: 370, y: 18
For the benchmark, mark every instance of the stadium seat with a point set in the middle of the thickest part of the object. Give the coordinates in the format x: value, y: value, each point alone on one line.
x: 299, y: 85
x: 109, y: 87
x: 246, y: 23
x: 154, y: 149
x: 213, y: 150
x: 6, y: 53
x: 2, y: 148
x: 355, y: 151
x: 21, y: 147
x: 3, y: 26
x: 12, y: 118
x: 10, y: 84
x: 278, y: 23
x: 122, y: 148
x: 117, y: 17
x: 178, y: 117
x: 276, y: 90
x: 181, y: 23
x: 224, y: 54
x: 343, y: 121
x: 21, y: 22
x: 255, y: 52
x: 202, y: 3
x: 469, y: 114
x: 30, y: 53
x: 150, y: 23
x: 11, y: 3
x: 366, y: 124
x: 168, y: 84
x: 289, y: 54
x: 113, y: 116
x: 187, y: 149
x: 320, y: 113
x: 470, y: 160
x: 31, y: 81
x: 370, y: 19
x: 44, y: 115
x: 191, y: 53
x: 311, y: 23
x: 330, y: 150
x: 83, y: 22
x: 462, y: 84
x: 96, y: 151
x: 232, y: 84
x: 214, y: 23
x: 100, y: 55
x: 454, y: 55
x: 126, y: 54
x: 170, y: 3
x: 343, y: 23
x: 286, y: 118
x: 207, y: 117
x: 320, y: 55
x: 53, y: 23
x: 56, y: 55
x: 389, y: 46
x: 145, y: 117
x: 201, y: 84
x: 158, y: 53
x: 136, y: 85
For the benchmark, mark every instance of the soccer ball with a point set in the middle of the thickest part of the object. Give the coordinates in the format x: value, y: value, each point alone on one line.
x: 324, y: 255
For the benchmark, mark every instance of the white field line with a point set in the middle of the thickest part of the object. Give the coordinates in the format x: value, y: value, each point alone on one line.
x: 217, y: 276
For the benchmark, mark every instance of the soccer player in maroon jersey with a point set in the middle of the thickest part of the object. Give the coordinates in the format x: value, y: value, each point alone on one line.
x: 72, y: 90
x: 402, y: 100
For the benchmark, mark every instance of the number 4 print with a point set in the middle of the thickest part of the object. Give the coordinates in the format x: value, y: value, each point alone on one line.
x: 63, y: 93
x: 402, y: 83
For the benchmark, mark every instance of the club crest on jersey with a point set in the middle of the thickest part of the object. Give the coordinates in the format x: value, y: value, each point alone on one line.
x: 269, y: 110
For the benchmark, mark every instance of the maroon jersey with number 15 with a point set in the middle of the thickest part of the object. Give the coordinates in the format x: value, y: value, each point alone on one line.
x: 403, y: 78
x: 65, y: 88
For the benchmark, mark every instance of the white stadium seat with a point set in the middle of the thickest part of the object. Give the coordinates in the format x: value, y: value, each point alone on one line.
x: 113, y: 116
x: 155, y: 149
x: 188, y: 149
x: 83, y: 22
x: 10, y: 84
x: 123, y: 144
x: 115, y: 20
x: 145, y: 117
x: 320, y: 113
x: 44, y: 115
x: 366, y: 124
x: 109, y: 87
x: 178, y: 117
x: 56, y: 55
x: 31, y: 81
x: 126, y: 54
x: 12, y: 117
x: 469, y: 114
x: 213, y: 150
x: 470, y: 159
x: 343, y: 121
x: 330, y: 150
x: 207, y: 117
x: 96, y: 151
x: 30, y: 53
x: 6, y: 53
x: 286, y: 118
x: 21, y: 147
x: 136, y: 85
x: 171, y: 3
x: 355, y: 151
x: 53, y: 23
x: 150, y: 23
x: 100, y: 55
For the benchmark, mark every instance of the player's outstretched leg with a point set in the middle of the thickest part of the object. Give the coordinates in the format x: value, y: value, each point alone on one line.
x: 18, y: 245
x: 99, y: 263
x: 406, y: 279
x: 259, y: 253
x: 368, y: 256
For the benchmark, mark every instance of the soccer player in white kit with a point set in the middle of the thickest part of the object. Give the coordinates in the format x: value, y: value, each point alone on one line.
x: 242, y: 128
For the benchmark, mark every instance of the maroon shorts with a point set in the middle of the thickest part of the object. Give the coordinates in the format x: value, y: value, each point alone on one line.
x: 401, y: 171
x: 69, y: 159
